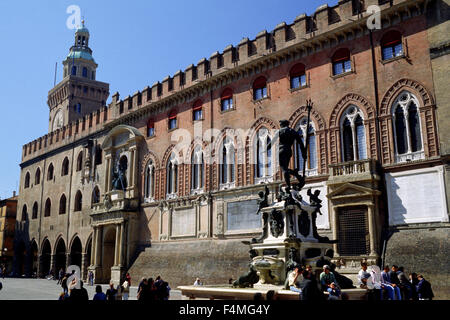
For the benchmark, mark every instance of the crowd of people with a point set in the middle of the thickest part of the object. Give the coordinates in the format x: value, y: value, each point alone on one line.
x: 393, y: 284
x: 150, y: 290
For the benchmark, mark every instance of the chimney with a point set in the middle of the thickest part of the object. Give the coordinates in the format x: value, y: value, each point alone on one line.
x: 14, y: 193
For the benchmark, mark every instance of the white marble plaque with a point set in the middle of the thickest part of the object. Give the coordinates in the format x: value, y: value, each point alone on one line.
x: 416, y: 196
x: 241, y: 215
x: 183, y: 222
x: 322, y: 221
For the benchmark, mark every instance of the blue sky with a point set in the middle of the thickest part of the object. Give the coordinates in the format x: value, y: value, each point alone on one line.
x: 135, y: 44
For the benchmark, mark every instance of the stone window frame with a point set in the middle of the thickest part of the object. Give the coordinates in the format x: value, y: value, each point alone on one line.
x: 352, y: 117
x: 201, y: 172
x: 301, y: 125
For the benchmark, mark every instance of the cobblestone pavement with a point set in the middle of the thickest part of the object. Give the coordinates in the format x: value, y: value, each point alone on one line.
x: 42, y: 289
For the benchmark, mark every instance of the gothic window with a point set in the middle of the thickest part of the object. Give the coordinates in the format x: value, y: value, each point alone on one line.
x: 62, y: 204
x: 65, y: 167
x: 227, y: 164
x: 50, y: 172
x: 341, y: 61
x: 197, y: 111
x: 24, y: 213
x: 85, y: 72
x: 226, y: 100
x: 78, y: 201
x: 259, y: 88
x: 391, y: 45
x: 27, y: 180
x: 197, y: 168
x: 311, y: 163
x: 172, y: 176
x: 37, y: 176
x: 263, y: 148
x: 80, y: 161
x: 149, y: 185
x: 95, y: 195
x: 353, y: 135
x: 297, y: 76
x: 407, y: 128
x: 35, y: 211
x: 48, y: 208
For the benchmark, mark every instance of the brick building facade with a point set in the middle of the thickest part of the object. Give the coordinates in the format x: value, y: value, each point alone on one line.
x: 165, y: 181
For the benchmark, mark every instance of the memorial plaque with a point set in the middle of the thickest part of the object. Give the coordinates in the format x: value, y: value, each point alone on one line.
x: 416, y: 198
x: 241, y: 215
x: 183, y: 222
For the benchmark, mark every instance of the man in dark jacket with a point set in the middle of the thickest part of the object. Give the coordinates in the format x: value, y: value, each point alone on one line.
x: 405, y: 285
x: 310, y: 290
x: 424, y: 289
x: 79, y: 294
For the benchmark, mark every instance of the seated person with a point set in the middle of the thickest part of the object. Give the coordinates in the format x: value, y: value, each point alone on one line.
x: 334, y: 292
x: 293, y: 284
x: 393, y: 292
x: 326, y: 278
x: 363, y: 275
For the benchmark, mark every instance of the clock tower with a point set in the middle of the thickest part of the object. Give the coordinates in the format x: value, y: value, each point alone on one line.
x: 79, y: 93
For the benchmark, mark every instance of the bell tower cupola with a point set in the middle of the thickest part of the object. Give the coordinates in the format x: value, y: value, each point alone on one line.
x: 79, y: 93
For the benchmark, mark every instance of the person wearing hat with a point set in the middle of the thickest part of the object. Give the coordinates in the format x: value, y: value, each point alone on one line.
x: 326, y: 278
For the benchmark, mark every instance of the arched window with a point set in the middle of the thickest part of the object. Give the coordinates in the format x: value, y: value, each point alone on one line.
x: 78, y: 201
x: 311, y: 163
x: 149, y: 185
x: 150, y: 128
x: 48, y: 208
x: 85, y: 72
x: 263, y: 165
x: 260, y: 88
x: 37, y: 176
x: 74, y: 70
x: 297, y: 76
x: 226, y: 100
x: 24, y: 213
x: 197, y: 110
x: 172, y: 176
x: 197, y: 172
x: 27, y: 180
x: 65, y: 167
x: 227, y: 164
x: 341, y: 61
x: 80, y: 161
x: 95, y: 195
x: 407, y: 128
x: 50, y: 172
x: 35, y: 211
x: 172, y: 120
x: 391, y: 45
x: 353, y: 135
x: 62, y: 204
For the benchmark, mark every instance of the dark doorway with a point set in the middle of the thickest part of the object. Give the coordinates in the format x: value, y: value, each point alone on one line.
x: 34, y: 251
x: 109, y: 242
x: 45, y: 258
x: 21, y: 253
x: 75, y: 252
x: 60, y: 256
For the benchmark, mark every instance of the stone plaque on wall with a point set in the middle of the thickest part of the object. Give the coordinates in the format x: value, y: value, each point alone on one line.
x: 241, y: 215
x: 416, y: 196
x: 183, y: 222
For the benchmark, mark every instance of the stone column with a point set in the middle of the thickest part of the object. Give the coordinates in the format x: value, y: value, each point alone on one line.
x: 371, y: 220
x: 108, y: 173
x: 52, y: 264
x: 117, y: 245
x: 68, y: 260
x: 84, y: 266
x: 94, y: 247
x: 98, y: 250
x: 122, y: 244
x: 335, y: 229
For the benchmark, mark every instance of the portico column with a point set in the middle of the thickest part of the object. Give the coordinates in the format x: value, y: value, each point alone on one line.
x: 122, y: 243
x: 52, y: 264
x: 117, y: 245
x: 68, y: 262
x: 335, y: 229
x: 84, y: 266
x: 98, y: 250
x: 107, y: 172
x: 371, y: 220
x: 94, y: 247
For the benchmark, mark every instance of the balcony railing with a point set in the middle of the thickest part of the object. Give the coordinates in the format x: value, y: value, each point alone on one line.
x: 352, y: 167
